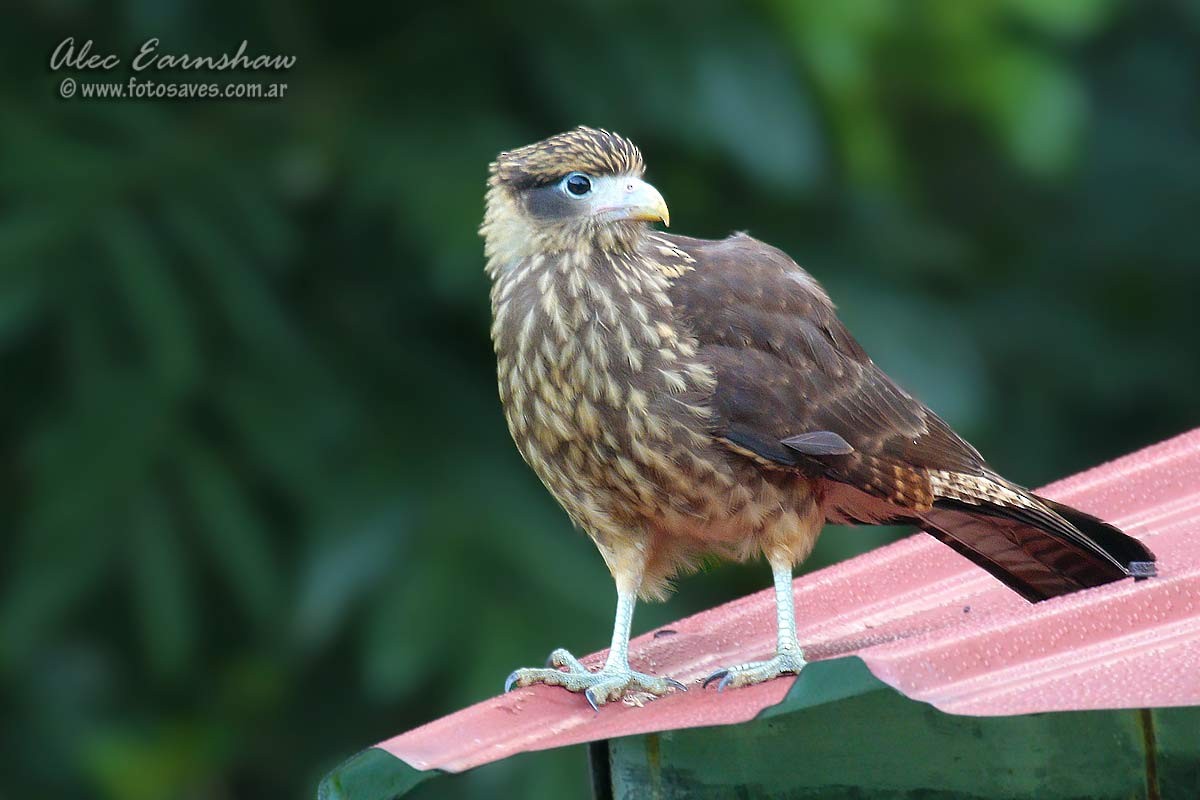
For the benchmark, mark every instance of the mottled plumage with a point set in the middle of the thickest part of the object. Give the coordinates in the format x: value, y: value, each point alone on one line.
x: 681, y: 397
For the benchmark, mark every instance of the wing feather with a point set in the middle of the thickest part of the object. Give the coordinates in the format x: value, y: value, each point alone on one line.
x: 794, y: 390
x: 786, y: 366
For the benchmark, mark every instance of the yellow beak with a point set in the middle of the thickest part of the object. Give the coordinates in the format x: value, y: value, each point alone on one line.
x: 632, y: 198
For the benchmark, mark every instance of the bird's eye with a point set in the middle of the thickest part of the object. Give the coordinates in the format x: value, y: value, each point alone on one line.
x: 577, y: 184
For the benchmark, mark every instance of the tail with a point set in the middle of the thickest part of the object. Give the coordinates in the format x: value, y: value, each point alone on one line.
x: 1037, y: 547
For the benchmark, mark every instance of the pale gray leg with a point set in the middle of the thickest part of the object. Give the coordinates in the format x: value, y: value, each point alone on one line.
x: 613, y: 680
x: 788, y: 657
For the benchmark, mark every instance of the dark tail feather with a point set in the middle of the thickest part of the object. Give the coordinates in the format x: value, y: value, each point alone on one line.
x: 1134, y: 555
x: 1039, y: 553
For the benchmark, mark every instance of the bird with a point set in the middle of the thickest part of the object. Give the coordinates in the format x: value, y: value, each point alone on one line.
x: 686, y: 399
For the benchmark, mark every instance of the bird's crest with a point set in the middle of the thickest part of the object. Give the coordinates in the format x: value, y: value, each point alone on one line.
x: 589, y: 150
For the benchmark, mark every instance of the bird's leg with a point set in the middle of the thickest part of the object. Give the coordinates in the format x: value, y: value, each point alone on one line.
x: 614, y: 679
x: 788, y: 657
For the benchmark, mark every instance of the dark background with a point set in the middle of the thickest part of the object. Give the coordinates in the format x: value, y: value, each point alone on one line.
x: 259, y: 505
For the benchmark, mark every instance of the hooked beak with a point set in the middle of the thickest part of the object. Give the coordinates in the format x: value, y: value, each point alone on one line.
x: 634, y: 199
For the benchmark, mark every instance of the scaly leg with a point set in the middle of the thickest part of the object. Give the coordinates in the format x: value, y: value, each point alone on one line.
x: 613, y: 680
x: 788, y: 657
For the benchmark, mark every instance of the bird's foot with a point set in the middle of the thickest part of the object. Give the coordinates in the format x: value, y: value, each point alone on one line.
x: 610, y: 683
x: 787, y: 662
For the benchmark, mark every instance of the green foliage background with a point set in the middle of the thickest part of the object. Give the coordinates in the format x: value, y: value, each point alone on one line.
x: 259, y: 505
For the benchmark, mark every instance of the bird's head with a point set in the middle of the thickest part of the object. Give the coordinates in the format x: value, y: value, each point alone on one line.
x: 576, y: 189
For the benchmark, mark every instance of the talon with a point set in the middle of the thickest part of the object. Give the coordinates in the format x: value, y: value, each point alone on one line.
x: 786, y: 662
x: 612, y: 681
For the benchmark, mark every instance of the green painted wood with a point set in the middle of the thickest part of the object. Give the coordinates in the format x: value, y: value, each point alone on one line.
x: 373, y: 774
x: 1176, y: 736
x: 826, y: 682
x: 883, y: 745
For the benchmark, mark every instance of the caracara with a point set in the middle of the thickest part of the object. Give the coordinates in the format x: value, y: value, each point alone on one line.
x: 683, y: 398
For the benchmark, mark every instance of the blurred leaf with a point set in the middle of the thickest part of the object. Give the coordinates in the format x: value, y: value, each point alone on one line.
x: 23, y: 236
x: 259, y: 217
x: 18, y: 309
x: 837, y: 43
x: 283, y: 430
x: 113, y: 444
x: 49, y: 584
x: 161, y: 590
x: 250, y: 308
x: 408, y: 638
x: 1074, y: 18
x: 155, y: 301
x: 345, y: 565
x: 1038, y: 108
x: 66, y: 542
x: 152, y: 764
x: 237, y: 540
x: 759, y: 114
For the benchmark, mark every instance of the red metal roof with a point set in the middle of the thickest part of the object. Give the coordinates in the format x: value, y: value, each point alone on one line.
x: 924, y: 620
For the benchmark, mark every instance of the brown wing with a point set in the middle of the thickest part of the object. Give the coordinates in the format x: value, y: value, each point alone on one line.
x: 796, y: 391
x: 787, y: 369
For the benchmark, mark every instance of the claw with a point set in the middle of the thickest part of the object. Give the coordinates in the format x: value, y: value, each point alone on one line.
x: 786, y: 662
x: 611, y: 682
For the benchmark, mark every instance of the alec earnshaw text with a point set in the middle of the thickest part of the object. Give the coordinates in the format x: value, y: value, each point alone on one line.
x: 69, y: 55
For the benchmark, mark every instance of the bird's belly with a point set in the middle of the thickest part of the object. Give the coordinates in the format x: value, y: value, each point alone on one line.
x: 748, y: 514
x: 614, y: 474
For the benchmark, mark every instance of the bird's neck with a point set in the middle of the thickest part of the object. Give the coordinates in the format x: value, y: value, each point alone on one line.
x: 555, y: 295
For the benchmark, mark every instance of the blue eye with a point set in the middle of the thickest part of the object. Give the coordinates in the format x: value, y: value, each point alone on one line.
x: 577, y: 184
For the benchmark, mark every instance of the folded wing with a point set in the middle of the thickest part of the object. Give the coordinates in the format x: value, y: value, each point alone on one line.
x: 795, y: 391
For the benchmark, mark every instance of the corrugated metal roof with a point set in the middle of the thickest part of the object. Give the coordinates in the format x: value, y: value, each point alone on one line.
x: 924, y: 620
